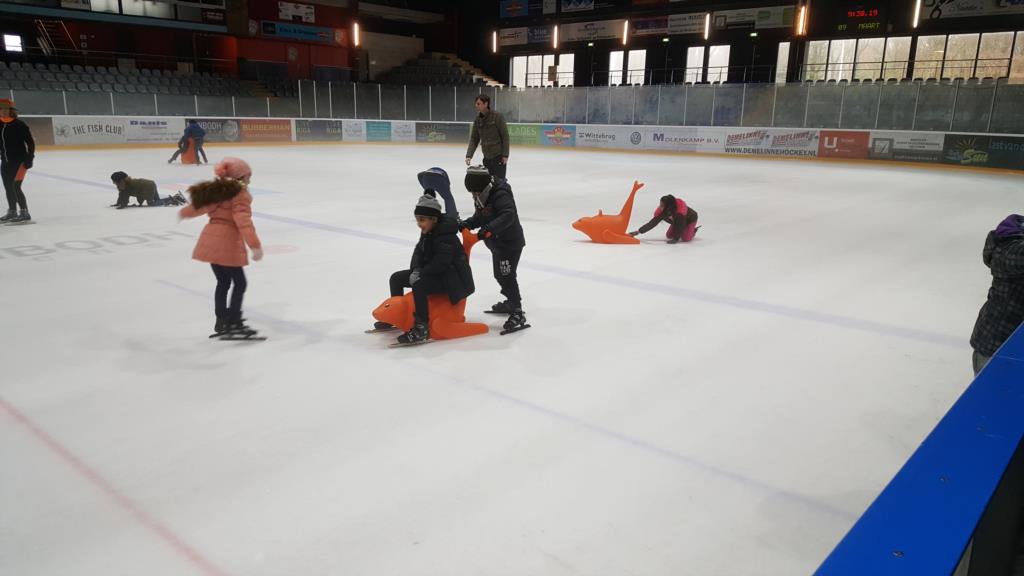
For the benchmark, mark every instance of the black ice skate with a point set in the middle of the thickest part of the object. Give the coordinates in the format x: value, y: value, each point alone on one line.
x: 381, y: 327
x: 503, y: 308
x: 516, y: 322
x: 11, y: 215
x: 239, y: 331
x: 22, y: 218
x: 418, y: 335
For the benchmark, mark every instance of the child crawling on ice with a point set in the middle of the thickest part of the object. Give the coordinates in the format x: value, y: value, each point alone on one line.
x: 142, y: 190
x: 681, y: 218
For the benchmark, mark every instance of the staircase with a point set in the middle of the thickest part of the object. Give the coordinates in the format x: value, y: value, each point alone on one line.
x: 54, y: 37
x: 462, y: 64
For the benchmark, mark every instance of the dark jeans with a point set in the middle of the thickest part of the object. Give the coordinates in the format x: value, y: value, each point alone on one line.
x: 15, y: 197
x: 506, y: 265
x: 496, y: 167
x: 123, y: 197
x: 227, y: 275
x: 420, y: 292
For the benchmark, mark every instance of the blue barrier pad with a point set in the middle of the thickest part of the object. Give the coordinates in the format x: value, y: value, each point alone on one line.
x: 923, y: 520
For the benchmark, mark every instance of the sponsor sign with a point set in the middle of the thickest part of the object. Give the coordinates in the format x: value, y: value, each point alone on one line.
x: 70, y: 130
x: 558, y: 135
x: 214, y: 17
x: 442, y: 132
x: 1006, y: 152
x: 266, y: 130
x: 772, y: 142
x: 938, y: 9
x: 987, y: 151
x: 294, y: 12
x: 218, y: 130
x: 577, y: 6
x: 353, y: 130
x: 657, y: 26
x: 518, y: 8
x: 907, y: 146
x: 539, y: 35
x: 513, y: 36
x: 154, y: 130
x: 524, y: 134
x: 844, y: 144
x: 378, y: 131
x: 686, y: 24
x: 41, y: 127
x: 586, y: 31
x: 768, y: 17
x: 402, y: 131
x: 301, y: 32
x: 622, y: 137
x: 682, y: 139
x: 318, y: 130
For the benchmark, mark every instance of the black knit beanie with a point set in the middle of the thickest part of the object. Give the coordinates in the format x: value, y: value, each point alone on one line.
x: 428, y: 205
x: 477, y: 178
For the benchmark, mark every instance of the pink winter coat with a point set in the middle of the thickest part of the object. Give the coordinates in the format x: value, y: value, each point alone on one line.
x: 221, y: 241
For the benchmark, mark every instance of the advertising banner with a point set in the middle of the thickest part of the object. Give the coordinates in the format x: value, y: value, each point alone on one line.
x: 221, y: 130
x: 767, y: 17
x: 353, y: 130
x: 938, y: 9
x: 513, y: 36
x: 442, y: 132
x: 685, y: 139
x: 519, y: 8
x: 295, y: 12
x: 402, y: 131
x: 318, y: 130
x: 686, y: 24
x: 558, y: 135
x: 1006, y: 152
x: 657, y: 26
x: 586, y: 31
x: 302, y: 32
x: 907, y: 146
x: 154, y: 130
x: 772, y: 142
x: 71, y: 130
x: 524, y: 134
x: 539, y: 35
x: 41, y: 127
x: 377, y: 131
x: 266, y: 130
x: 622, y: 137
x: 987, y: 151
x: 844, y: 144
x: 577, y: 6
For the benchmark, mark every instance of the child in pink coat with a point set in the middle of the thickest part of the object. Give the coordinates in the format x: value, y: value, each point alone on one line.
x: 228, y: 204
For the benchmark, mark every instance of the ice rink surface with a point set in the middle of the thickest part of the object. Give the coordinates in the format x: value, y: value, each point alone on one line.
x: 725, y: 407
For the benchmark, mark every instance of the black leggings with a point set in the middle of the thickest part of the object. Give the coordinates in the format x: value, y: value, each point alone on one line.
x: 420, y: 292
x: 226, y: 275
x: 15, y: 197
x: 506, y: 266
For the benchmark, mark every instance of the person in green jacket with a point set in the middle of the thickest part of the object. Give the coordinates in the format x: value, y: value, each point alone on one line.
x: 143, y: 190
x: 491, y: 133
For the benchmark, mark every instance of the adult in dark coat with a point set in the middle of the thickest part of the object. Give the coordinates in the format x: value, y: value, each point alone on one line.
x: 439, y: 266
x: 1003, y: 312
x: 17, y: 153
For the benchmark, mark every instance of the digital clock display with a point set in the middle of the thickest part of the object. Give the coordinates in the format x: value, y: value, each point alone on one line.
x: 859, y: 17
x: 863, y: 13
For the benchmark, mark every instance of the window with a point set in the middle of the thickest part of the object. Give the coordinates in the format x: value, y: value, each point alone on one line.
x: 897, y: 57
x: 105, y: 6
x: 12, y: 43
x: 961, y: 53
x: 1017, y: 66
x: 147, y: 8
x: 549, y: 62
x: 869, y: 58
x: 636, y: 69
x: 929, y: 57
x: 994, y: 55
x: 534, y: 71
x: 694, y: 64
x: 615, y: 67
x: 518, y: 73
x: 718, y: 63
x: 566, y: 69
x: 840, y: 59
x: 817, y: 57
x: 782, y: 63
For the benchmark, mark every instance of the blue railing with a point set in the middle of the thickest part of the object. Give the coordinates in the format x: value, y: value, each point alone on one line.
x: 926, y: 517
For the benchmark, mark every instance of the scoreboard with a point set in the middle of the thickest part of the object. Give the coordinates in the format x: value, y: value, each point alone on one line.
x: 857, y: 17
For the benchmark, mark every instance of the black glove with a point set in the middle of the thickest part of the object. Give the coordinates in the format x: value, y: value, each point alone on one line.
x: 484, y: 234
x: 634, y: 233
x: 27, y: 163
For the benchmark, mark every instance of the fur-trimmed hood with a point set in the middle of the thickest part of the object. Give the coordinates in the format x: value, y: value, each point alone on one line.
x: 214, y: 191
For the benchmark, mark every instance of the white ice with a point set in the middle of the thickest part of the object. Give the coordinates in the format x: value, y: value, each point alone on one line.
x: 725, y: 407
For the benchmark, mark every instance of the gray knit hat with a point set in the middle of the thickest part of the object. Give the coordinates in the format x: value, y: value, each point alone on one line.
x: 428, y: 205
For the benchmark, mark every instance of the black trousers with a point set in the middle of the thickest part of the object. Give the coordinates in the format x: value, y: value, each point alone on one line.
x: 201, y: 152
x: 15, y: 197
x: 226, y: 276
x: 506, y: 265
x: 123, y: 197
x: 496, y: 167
x: 420, y: 291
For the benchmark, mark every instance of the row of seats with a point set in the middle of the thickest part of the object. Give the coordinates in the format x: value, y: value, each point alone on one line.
x: 68, y: 68
x: 985, y: 80
x: 78, y: 78
x: 430, y: 71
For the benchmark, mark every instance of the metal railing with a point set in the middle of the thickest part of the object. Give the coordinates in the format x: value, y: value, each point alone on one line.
x: 958, y: 106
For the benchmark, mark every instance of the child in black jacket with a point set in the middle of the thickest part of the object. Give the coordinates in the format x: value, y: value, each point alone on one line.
x: 498, y: 220
x: 1003, y: 312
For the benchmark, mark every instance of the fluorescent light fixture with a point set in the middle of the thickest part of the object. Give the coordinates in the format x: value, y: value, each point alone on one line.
x: 494, y: 41
x: 753, y: 34
x: 707, y: 25
x: 12, y: 43
x: 554, y: 36
x: 590, y: 44
x: 625, y: 32
x: 665, y: 39
x: 801, y: 23
x: 917, y: 13
x: 355, y: 33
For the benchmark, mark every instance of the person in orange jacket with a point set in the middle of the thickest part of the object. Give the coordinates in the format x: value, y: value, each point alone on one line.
x: 228, y: 204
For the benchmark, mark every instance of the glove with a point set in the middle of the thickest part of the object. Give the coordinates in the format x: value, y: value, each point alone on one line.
x: 27, y: 163
x: 483, y: 234
x: 257, y: 254
x: 414, y: 277
x: 463, y: 225
x: 634, y: 233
